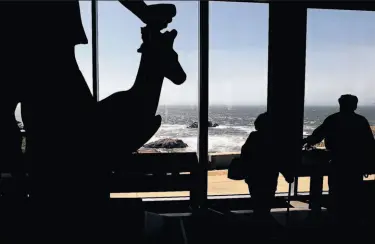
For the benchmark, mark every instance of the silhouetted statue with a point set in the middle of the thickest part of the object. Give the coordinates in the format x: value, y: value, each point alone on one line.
x: 349, y: 138
x: 68, y: 171
x: 261, y: 169
x: 158, y: 60
x: 156, y: 16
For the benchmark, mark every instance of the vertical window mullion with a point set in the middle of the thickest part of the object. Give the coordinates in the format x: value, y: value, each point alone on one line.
x: 203, y: 102
x: 94, y: 40
x: 286, y: 80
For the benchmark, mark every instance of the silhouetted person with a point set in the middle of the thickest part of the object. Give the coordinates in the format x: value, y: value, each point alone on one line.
x: 349, y: 138
x: 262, y: 171
x: 69, y: 184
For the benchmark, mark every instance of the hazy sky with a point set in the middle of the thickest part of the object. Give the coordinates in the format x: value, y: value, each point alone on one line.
x: 340, y: 53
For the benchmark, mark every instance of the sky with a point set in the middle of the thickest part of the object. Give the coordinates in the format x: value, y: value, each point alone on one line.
x: 340, y: 53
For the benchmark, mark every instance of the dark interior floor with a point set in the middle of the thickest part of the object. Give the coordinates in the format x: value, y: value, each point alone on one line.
x: 231, y: 220
x: 241, y: 228
x: 233, y: 226
x: 224, y: 220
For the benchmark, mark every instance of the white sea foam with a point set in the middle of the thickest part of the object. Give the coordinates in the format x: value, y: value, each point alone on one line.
x: 169, y: 127
x: 224, y: 138
x: 225, y: 143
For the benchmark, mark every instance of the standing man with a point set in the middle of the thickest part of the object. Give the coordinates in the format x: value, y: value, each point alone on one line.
x: 349, y: 138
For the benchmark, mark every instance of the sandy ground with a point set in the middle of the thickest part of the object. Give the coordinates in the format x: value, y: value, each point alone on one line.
x: 219, y: 184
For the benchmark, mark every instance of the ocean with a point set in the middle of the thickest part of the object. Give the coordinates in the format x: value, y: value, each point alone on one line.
x: 235, y: 124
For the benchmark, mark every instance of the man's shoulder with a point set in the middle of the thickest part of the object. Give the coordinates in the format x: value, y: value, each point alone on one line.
x: 253, y: 134
x: 361, y: 118
x: 332, y: 118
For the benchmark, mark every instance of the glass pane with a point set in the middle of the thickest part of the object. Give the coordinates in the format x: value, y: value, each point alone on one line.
x: 238, y: 85
x: 339, y: 60
x: 119, y: 61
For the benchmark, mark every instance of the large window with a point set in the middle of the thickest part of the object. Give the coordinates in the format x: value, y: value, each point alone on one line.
x: 339, y: 60
x: 179, y: 104
x: 238, y: 85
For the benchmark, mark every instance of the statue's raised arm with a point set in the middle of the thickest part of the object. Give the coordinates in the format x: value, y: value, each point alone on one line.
x: 156, y: 15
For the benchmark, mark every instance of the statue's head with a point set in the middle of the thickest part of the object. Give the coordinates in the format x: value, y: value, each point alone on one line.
x: 160, y: 46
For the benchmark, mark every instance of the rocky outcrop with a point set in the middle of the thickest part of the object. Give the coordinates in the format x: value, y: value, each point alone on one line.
x: 194, y: 125
x: 167, y: 143
x: 211, y: 124
x: 147, y: 150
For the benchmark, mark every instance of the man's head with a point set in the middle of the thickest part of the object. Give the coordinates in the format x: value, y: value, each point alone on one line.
x: 261, y: 122
x: 348, y: 103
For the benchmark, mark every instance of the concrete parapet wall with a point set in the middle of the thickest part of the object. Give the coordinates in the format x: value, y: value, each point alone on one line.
x: 221, y: 160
